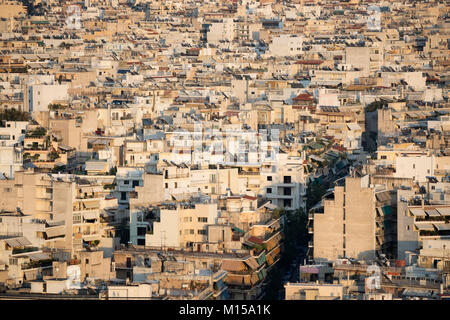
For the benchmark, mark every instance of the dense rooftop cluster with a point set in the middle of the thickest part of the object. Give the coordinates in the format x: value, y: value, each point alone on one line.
x: 164, y: 149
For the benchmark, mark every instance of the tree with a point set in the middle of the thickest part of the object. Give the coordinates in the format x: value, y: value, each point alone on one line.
x: 53, y: 155
x: 374, y: 106
x: 14, y: 115
x: 295, y: 236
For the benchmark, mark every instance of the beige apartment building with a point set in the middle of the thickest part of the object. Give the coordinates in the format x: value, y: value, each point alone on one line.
x: 344, y: 224
x: 312, y: 291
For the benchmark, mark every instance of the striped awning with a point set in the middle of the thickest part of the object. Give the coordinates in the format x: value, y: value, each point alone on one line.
x: 91, y: 205
x: 417, y: 212
x: 444, y: 211
x: 55, y: 231
x: 90, y: 214
x: 425, y: 226
x: 233, y: 265
x: 432, y: 213
x: 18, y: 242
x: 251, y: 262
x: 442, y: 226
x: 383, y: 196
x: 39, y: 256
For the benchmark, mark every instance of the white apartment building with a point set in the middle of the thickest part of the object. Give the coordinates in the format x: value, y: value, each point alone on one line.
x: 127, y: 178
x: 182, y: 226
x: 417, y: 167
x: 284, y: 182
x: 41, y: 95
x: 221, y: 31
x: 286, y: 45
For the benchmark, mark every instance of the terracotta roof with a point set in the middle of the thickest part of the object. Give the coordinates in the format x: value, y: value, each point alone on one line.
x: 339, y: 148
x: 304, y: 97
x: 310, y: 62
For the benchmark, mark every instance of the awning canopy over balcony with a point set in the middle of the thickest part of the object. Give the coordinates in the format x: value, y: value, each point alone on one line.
x: 18, y: 242
x: 55, y: 231
x: 442, y: 226
x: 417, y: 212
x: 425, y: 226
x: 233, y: 265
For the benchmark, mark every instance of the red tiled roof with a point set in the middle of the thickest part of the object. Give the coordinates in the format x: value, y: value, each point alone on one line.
x: 310, y: 62
x: 339, y: 148
x: 304, y: 97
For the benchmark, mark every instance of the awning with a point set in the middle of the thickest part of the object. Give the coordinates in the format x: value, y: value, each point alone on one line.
x: 309, y: 269
x: 444, y: 211
x: 261, y: 259
x: 383, y: 196
x: 238, y: 230
x: 269, y: 205
x: 251, y: 262
x: 88, y: 215
x: 233, y: 265
x: 417, y: 212
x: 432, y: 213
x: 30, y: 274
x: 255, y: 240
x: 425, y: 226
x: 55, y: 231
x: 91, y: 205
x: 39, y: 256
x: 442, y: 226
x: 18, y: 242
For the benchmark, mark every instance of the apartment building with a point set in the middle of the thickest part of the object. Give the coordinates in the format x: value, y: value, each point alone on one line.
x: 354, y: 220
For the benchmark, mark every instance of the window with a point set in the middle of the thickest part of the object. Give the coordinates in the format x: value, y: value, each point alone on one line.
x: 269, y: 190
x: 87, y: 261
x: 287, y: 179
x: 202, y: 219
x: 202, y: 232
x: 135, y: 183
x: 126, y: 182
x: 176, y: 185
x: 269, y: 178
x: 191, y: 231
x: 141, y: 231
x: 287, y: 203
x: 414, y: 166
x: 166, y: 185
x: 77, y: 219
x: 383, y: 157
